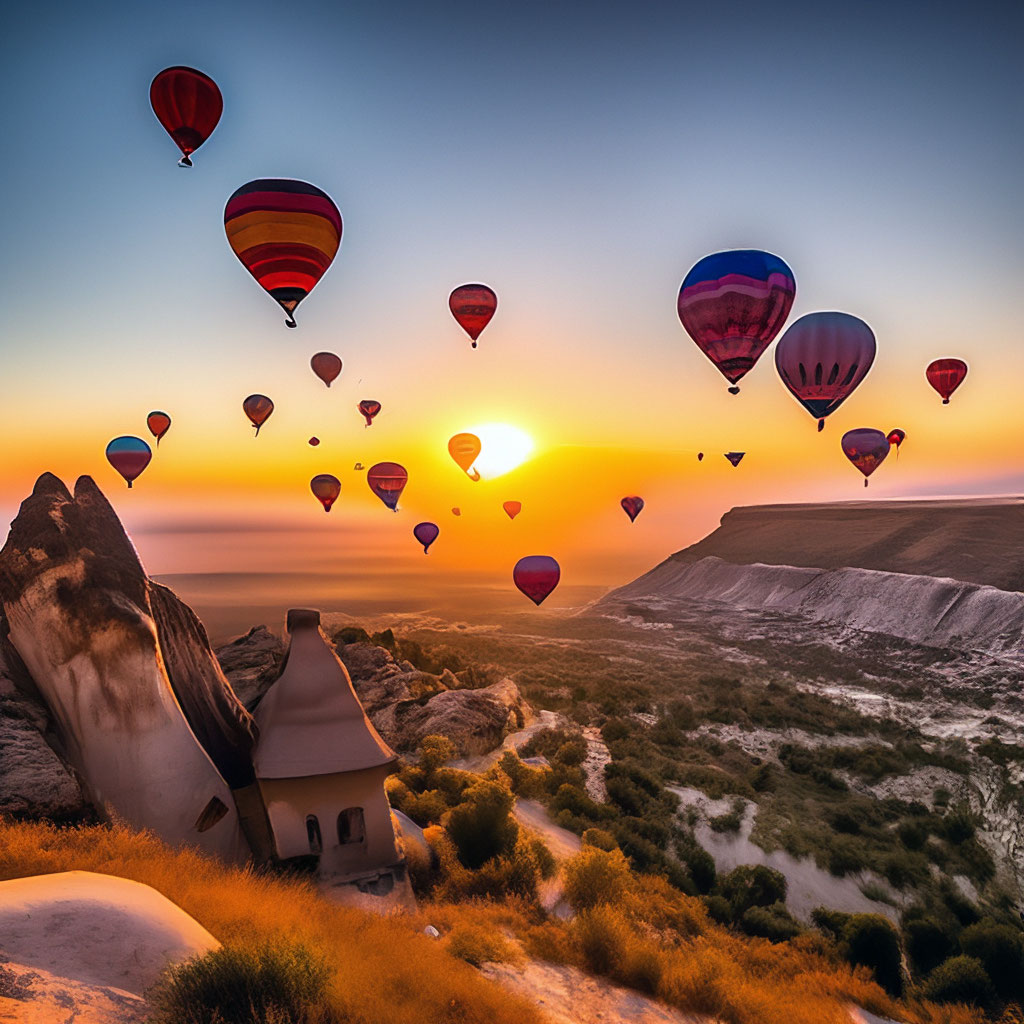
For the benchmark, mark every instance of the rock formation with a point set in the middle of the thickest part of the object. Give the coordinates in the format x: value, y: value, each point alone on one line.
x: 252, y: 663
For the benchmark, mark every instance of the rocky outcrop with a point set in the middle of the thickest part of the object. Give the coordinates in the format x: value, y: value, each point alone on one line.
x: 382, y: 682
x: 143, y: 711
x: 252, y: 663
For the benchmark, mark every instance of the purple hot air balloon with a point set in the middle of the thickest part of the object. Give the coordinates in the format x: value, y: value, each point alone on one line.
x: 387, y: 480
x: 426, y: 534
x: 822, y: 358
x: 866, y: 449
x: 129, y: 456
x: 536, y: 576
x: 735, y: 457
x: 633, y: 506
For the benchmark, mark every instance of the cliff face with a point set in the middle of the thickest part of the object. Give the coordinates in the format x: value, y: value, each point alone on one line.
x: 974, y: 540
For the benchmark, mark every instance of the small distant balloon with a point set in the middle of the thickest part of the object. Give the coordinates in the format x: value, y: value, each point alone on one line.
x: 536, y: 576
x: 464, y: 449
x: 473, y: 305
x: 896, y: 437
x: 512, y: 508
x: 327, y: 366
x: 700, y: 456
x: 632, y: 505
x: 387, y: 480
x: 866, y: 449
x: 314, y: 441
x: 326, y: 488
x: 369, y: 408
x: 129, y: 456
x: 456, y: 511
x: 258, y: 408
x: 358, y: 465
x: 946, y: 375
x: 188, y: 104
x: 735, y: 457
x: 159, y: 423
x: 426, y: 534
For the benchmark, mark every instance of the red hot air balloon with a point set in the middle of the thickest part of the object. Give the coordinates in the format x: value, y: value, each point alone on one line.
x: 536, y: 576
x: 326, y: 365
x: 512, y: 508
x: 822, y: 358
x: 286, y: 234
x: 946, y: 375
x: 733, y: 304
x: 326, y: 488
x: 188, y: 104
x: 426, y: 534
x: 314, y: 441
x: 258, y: 408
x: 387, y: 480
x: 700, y: 456
x: 632, y: 506
x: 473, y: 305
x: 735, y: 457
x: 159, y: 423
x: 369, y: 408
x: 129, y: 456
x: 866, y: 449
x: 456, y: 511
x: 896, y: 437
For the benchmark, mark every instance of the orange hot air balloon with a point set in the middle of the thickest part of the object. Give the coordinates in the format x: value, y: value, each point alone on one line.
x: 129, y: 456
x: 512, y: 508
x: 159, y: 423
x: 258, y: 408
x: 326, y: 365
x: 456, y: 511
x: 464, y: 449
x: 326, y: 488
x: 473, y: 305
x: 369, y: 408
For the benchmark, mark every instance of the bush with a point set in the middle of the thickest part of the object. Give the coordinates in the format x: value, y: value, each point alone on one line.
x: 745, y: 887
x: 718, y: 909
x: 594, y: 877
x: 482, y: 826
x: 547, y: 866
x: 958, y: 827
x: 701, y: 866
x: 434, y: 752
x: 927, y: 944
x: 913, y: 834
x: 478, y: 945
x: 774, y: 923
x: 572, y: 753
x: 961, y: 979
x: 1000, y: 949
x: 832, y: 922
x: 271, y: 984
x: 601, y: 839
x: 871, y: 941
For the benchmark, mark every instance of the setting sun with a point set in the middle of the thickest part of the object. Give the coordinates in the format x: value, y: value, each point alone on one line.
x: 502, y: 448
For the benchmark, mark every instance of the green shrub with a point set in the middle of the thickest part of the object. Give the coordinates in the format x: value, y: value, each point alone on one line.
x: 718, y: 908
x: 927, y: 942
x: 832, y: 922
x: 271, y: 984
x: 482, y: 826
x: 1000, y: 949
x: 547, y: 866
x: 871, y: 941
x: 774, y: 923
x: 600, y: 838
x: 572, y: 753
x: 752, y: 886
x: 958, y: 827
x: 913, y: 834
x: 961, y: 979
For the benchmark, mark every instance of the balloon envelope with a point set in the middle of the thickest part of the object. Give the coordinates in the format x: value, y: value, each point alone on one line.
x: 896, y: 437
x: 512, y: 508
x: 633, y: 506
x: 464, y: 449
x: 456, y: 511
x: 822, y: 358
x: 735, y: 457
x: 188, y: 104
x: 369, y: 408
x: 473, y: 305
x: 426, y: 534
x: 258, y: 408
x: 866, y: 449
x: 387, y: 480
x: 159, y: 423
x: 536, y: 576
x: 286, y: 234
x: 326, y: 365
x: 314, y: 441
x: 326, y: 488
x: 700, y: 456
x: 733, y: 304
x: 946, y: 375
x: 129, y: 456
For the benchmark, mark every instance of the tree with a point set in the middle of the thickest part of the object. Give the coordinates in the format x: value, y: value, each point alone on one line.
x: 961, y: 979
x: 482, y: 826
x: 870, y: 940
x: 928, y: 944
x: 1000, y: 949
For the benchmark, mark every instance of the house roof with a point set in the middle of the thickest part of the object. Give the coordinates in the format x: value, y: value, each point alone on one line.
x: 310, y: 720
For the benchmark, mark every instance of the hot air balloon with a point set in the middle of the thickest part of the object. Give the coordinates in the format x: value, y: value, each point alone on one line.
x: 733, y: 304
x: 326, y: 488
x: 512, y: 508
x: 946, y: 375
x: 188, y: 104
x: 286, y: 234
x: 536, y: 576
x: 129, y: 456
x: 633, y: 506
x: 866, y: 449
x: 456, y: 511
x: 426, y: 534
x: 387, y: 480
x: 358, y: 465
x: 896, y: 437
x: 473, y: 305
x: 464, y: 449
x: 159, y: 423
x: 314, y: 441
x: 822, y: 358
x: 735, y: 457
x: 326, y: 365
x: 369, y: 408
x: 700, y: 456
x: 258, y: 408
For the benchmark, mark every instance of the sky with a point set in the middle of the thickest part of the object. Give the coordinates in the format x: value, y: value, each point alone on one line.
x: 578, y: 158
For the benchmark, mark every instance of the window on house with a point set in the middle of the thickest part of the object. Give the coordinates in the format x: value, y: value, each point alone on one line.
x: 351, y: 826
x: 316, y: 843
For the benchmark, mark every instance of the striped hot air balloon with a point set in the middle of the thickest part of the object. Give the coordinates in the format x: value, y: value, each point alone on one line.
x: 286, y: 234
x: 188, y: 104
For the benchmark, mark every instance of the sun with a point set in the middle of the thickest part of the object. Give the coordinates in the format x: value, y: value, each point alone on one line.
x: 502, y: 448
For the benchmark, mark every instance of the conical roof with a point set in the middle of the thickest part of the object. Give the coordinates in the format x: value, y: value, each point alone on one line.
x: 310, y: 720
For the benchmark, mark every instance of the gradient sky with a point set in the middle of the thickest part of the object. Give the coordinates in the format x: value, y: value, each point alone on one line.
x: 579, y: 158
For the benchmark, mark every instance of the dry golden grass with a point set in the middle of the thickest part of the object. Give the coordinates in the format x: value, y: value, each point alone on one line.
x: 384, y: 972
